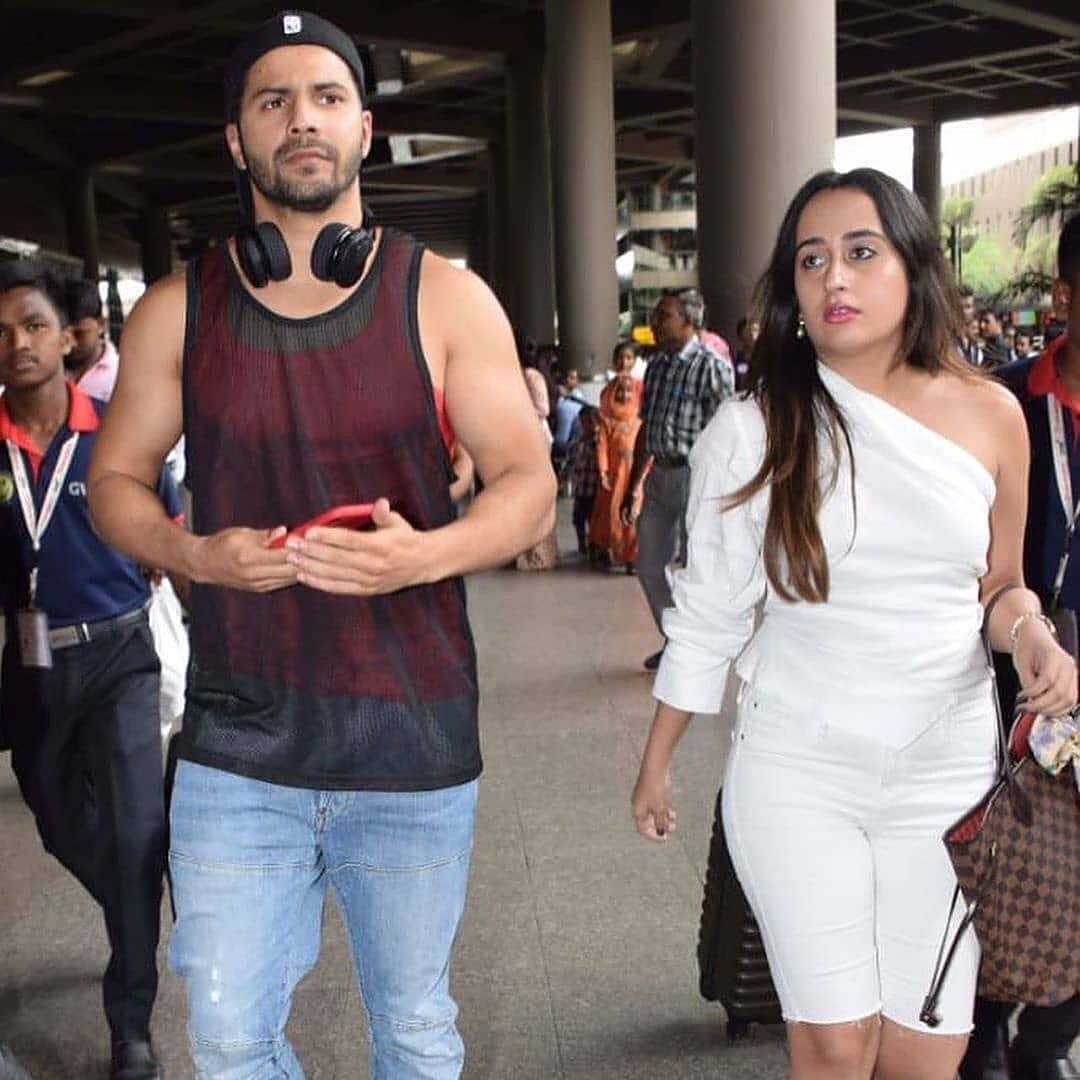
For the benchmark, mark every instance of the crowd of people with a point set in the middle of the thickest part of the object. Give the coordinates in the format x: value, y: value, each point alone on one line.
x: 830, y: 509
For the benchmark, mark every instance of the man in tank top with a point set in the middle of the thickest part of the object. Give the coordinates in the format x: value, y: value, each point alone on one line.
x: 330, y: 736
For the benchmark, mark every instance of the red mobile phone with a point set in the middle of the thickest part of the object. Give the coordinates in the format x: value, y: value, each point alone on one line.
x: 349, y: 516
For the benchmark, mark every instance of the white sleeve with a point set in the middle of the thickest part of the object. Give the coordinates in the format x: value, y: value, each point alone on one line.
x: 713, y: 598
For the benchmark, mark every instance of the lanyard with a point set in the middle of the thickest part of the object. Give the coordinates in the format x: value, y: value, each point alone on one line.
x: 1063, y: 474
x: 35, y: 525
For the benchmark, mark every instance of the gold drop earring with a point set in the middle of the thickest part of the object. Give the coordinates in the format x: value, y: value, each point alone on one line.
x: 800, y: 327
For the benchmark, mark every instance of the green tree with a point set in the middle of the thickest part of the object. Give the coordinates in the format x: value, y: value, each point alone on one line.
x: 1053, y: 196
x: 987, y: 266
x: 958, y: 236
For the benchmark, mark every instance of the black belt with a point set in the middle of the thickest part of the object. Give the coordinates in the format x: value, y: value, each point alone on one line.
x: 670, y: 461
x: 63, y: 637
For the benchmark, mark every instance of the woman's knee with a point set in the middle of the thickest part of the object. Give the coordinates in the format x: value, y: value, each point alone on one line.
x: 846, y: 1050
x: 906, y: 1054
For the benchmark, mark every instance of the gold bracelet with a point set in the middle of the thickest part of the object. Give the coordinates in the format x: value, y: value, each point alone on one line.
x: 1018, y: 624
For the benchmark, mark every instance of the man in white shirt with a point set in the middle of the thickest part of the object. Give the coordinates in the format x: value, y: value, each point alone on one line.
x: 92, y: 362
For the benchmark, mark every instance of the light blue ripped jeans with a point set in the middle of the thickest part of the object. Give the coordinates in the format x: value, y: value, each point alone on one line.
x: 250, y: 862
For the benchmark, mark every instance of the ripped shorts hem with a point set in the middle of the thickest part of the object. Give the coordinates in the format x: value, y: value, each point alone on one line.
x: 923, y: 1029
x: 869, y: 1014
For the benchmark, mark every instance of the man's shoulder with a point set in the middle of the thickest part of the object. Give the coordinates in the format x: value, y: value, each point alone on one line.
x: 1015, y: 374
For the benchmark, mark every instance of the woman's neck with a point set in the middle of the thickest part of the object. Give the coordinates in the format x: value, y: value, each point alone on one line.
x: 877, y: 372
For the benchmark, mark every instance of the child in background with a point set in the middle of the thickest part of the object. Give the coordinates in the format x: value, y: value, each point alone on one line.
x: 581, y: 465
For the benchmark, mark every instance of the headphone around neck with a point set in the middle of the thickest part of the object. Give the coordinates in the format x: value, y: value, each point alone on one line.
x: 338, y: 254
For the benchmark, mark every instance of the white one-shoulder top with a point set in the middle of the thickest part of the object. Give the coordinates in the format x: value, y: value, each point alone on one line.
x: 899, y: 634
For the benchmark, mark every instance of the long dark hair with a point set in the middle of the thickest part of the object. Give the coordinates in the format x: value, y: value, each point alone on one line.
x: 783, y: 375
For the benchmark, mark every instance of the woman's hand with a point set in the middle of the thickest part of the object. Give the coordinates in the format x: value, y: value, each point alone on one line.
x: 1047, y: 672
x: 654, y: 816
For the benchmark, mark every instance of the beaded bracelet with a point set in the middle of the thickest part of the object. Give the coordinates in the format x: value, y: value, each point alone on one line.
x: 1018, y: 623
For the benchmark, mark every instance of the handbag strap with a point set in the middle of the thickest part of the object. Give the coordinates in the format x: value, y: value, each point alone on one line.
x: 1021, y: 807
x: 1000, y: 730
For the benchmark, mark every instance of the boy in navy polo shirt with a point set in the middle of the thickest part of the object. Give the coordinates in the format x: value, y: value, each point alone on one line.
x: 79, y: 692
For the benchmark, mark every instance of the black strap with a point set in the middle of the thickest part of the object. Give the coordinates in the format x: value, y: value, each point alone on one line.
x: 1021, y: 807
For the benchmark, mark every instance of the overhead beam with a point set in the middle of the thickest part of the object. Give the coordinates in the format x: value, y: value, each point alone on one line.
x: 142, y: 106
x: 425, y: 179
x: 667, y: 48
x: 667, y: 150
x: 46, y: 149
x: 433, y: 31
x: 154, y: 26
x: 881, y: 110
x: 1024, y: 15
x: 943, y: 56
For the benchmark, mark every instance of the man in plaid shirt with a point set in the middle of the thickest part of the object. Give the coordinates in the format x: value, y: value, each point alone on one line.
x: 684, y: 385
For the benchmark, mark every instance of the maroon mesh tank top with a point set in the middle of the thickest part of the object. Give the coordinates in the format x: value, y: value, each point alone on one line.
x: 285, y: 418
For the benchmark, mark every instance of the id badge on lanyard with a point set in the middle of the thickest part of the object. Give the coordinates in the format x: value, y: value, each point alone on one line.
x: 32, y: 624
x: 1063, y: 475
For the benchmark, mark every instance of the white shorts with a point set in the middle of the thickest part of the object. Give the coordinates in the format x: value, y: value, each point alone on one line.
x: 836, y: 840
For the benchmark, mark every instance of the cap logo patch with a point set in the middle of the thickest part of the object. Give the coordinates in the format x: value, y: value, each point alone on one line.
x: 291, y: 24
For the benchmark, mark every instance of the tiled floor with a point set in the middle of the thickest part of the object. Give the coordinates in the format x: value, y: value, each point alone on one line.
x: 577, y: 954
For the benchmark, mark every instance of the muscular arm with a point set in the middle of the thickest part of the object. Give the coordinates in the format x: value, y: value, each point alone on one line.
x: 140, y: 426
x: 489, y: 408
x: 138, y: 429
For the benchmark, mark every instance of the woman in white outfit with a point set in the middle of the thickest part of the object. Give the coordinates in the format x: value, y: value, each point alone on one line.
x: 871, y: 488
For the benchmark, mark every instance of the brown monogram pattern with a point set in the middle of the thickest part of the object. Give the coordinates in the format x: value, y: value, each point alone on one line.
x: 1024, y: 878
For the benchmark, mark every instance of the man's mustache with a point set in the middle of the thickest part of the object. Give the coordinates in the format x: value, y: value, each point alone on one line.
x: 293, y: 145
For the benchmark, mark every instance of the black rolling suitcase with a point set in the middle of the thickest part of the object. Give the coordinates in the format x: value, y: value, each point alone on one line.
x: 731, y: 956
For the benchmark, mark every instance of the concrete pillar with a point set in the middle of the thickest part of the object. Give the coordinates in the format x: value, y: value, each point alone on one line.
x: 765, y: 121
x: 527, y: 272
x: 926, y: 168
x: 155, y: 243
x: 82, y: 228
x: 580, y: 83
x: 495, y: 216
x: 478, y: 249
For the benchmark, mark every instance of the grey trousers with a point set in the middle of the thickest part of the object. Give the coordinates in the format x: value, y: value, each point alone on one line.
x: 662, y: 533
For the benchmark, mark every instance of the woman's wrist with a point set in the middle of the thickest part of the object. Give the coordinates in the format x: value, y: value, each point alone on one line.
x: 1028, y: 619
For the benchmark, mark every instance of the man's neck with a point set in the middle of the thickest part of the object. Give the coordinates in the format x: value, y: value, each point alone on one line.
x: 300, y: 228
x: 40, y: 411
x: 77, y: 371
x: 1068, y: 362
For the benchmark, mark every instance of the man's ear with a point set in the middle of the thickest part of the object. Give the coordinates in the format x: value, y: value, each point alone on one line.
x: 67, y: 340
x: 366, y: 132
x: 236, y: 146
x: 1061, y: 297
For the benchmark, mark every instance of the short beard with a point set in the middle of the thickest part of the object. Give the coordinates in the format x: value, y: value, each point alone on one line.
x: 308, y: 197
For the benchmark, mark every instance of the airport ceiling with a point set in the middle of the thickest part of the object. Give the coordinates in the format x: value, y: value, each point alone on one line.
x: 130, y: 89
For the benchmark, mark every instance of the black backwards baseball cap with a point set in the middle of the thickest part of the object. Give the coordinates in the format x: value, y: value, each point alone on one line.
x: 287, y: 28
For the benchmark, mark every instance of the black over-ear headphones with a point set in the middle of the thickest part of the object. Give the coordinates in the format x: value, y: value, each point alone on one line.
x: 338, y: 255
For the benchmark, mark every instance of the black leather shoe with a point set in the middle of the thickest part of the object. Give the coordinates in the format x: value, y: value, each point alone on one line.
x: 1022, y: 1067
x: 133, y: 1059
x: 652, y: 662
x: 10, y: 1066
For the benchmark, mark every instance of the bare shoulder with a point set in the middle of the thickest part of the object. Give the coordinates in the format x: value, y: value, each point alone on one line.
x: 985, y: 416
x: 995, y: 404
x: 449, y: 286
x: 154, y: 332
x: 165, y: 297
x: 459, y: 317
